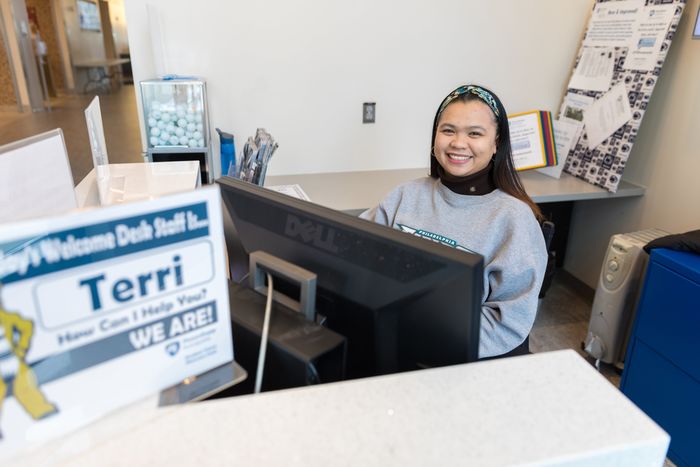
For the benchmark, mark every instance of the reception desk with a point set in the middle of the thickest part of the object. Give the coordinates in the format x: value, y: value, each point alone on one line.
x: 543, y: 409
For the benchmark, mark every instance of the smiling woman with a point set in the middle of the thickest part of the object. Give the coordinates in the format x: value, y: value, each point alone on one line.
x: 474, y: 201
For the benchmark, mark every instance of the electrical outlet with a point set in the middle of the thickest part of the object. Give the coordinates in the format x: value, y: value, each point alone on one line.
x: 368, y: 112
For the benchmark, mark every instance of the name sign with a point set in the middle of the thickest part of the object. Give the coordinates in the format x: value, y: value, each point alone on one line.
x: 103, y: 308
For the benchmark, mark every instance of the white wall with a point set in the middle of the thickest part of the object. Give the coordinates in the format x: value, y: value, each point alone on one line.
x: 665, y: 158
x: 302, y: 69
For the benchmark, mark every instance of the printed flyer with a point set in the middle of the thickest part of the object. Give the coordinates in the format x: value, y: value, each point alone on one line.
x: 102, y: 308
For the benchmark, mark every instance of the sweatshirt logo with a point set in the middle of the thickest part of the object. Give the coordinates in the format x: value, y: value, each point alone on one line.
x: 433, y: 236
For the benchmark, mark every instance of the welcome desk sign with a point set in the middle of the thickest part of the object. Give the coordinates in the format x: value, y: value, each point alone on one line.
x: 102, y: 308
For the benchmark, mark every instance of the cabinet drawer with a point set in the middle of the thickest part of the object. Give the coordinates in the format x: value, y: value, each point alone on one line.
x: 669, y: 396
x: 668, y: 317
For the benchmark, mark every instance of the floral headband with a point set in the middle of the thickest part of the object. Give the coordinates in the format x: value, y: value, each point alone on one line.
x: 479, y: 92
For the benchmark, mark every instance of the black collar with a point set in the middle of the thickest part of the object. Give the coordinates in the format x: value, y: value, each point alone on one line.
x: 479, y: 183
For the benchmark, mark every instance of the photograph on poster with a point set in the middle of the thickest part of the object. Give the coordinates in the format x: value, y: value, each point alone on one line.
x: 696, y: 29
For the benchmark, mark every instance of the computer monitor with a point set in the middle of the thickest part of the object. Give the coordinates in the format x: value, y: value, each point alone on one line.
x: 402, y: 302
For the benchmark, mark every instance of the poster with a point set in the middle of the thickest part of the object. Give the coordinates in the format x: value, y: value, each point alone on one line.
x: 643, y: 53
x: 613, y: 24
x: 102, y: 308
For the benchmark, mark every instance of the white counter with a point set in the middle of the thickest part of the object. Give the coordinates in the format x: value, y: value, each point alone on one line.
x: 353, y: 191
x: 543, y: 409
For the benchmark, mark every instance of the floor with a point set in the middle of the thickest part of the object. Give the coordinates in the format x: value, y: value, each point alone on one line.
x: 562, y: 320
x: 119, y: 118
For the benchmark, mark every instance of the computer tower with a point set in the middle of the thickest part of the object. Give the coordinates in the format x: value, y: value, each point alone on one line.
x: 616, y: 295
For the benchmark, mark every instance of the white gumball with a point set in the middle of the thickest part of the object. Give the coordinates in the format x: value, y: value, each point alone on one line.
x: 180, y: 112
x: 165, y: 116
x: 189, y: 117
x: 152, y: 122
x: 157, y: 115
x: 174, y: 140
x: 154, y: 140
x: 170, y: 128
x: 199, y: 126
x: 198, y: 117
x: 192, y: 143
x: 197, y: 134
x: 191, y: 127
x: 182, y: 123
x: 162, y: 141
x: 183, y: 140
x: 179, y: 132
x: 155, y: 131
x: 200, y: 142
x: 165, y: 135
x: 161, y: 124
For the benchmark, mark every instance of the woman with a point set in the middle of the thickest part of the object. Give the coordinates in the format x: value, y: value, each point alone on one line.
x: 473, y: 200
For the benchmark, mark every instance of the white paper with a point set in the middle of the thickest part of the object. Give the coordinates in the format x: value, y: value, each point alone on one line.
x: 594, y: 70
x: 526, y: 141
x: 607, y: 114
x: 112, y: 305
x: 646, y: 42
x: 573, y: 107
x: 294, y: 191
x: 613, y: 24
x: 566, y: 134
x: 98, y: 147
x: 35, y: 178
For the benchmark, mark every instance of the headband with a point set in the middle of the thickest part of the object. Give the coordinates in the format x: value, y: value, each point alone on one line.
x: 479, y: 92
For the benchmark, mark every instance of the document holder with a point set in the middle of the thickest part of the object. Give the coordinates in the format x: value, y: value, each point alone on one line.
x: 300, y: 352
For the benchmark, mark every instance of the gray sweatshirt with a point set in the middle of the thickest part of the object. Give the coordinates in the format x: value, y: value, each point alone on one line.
x: 499, y: 227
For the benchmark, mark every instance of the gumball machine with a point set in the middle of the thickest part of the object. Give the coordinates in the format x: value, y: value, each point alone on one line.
x: 177, y: 122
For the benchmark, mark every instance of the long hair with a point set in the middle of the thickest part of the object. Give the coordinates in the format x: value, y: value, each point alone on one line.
x: 504, y: 175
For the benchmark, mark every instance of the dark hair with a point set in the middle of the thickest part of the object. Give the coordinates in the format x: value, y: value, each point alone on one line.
x: 504, y: 175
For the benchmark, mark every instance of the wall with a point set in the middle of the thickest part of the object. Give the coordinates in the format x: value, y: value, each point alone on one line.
x: 665, y: 159
x: 14, y: 56
x: 118, y: 19
x: 7, y: 87
x: 303, y: 69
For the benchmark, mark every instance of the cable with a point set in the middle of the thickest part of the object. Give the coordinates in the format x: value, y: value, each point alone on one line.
x: 263, y: 336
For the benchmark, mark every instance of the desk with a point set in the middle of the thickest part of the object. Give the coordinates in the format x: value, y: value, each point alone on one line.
x: 548, y: 408
x: 353, y: 192
x: 101, y: 79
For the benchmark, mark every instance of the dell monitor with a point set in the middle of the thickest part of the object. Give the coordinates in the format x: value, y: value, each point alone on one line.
x: 402, y: 302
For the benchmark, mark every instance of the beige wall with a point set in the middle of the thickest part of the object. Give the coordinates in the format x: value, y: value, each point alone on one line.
x: 665, y: 158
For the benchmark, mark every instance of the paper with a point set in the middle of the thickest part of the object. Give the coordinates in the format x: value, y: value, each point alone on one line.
x: 606, y: 115
x: 35, y: 178
x: 594, y: 70
x: 646, y: 42
x: 566, y: 134
x: 526, y: 141
x: 613, y: 24
x: 573, y: 107
x: 107, y: 307
x: 294, y: 191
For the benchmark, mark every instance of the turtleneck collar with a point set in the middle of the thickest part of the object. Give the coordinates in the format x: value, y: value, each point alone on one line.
x: 476, y: 184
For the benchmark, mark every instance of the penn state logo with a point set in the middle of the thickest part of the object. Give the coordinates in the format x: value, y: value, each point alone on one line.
x: 172, y: 349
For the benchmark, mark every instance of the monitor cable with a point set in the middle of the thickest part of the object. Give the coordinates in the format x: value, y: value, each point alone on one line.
x: 263, y: 336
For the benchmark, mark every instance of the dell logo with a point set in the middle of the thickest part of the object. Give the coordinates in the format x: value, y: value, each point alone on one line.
x: 318, y: 235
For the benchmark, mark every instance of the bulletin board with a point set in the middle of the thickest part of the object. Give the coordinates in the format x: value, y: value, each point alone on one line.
x: 622, y: 53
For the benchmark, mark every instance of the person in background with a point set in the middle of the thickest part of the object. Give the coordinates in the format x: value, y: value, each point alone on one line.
x: 473, y: 200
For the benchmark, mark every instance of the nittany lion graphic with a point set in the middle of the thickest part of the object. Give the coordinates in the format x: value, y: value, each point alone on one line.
x: 15, y: 339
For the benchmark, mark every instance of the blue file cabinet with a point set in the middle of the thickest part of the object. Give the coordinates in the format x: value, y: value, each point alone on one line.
x: 662, y: 369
